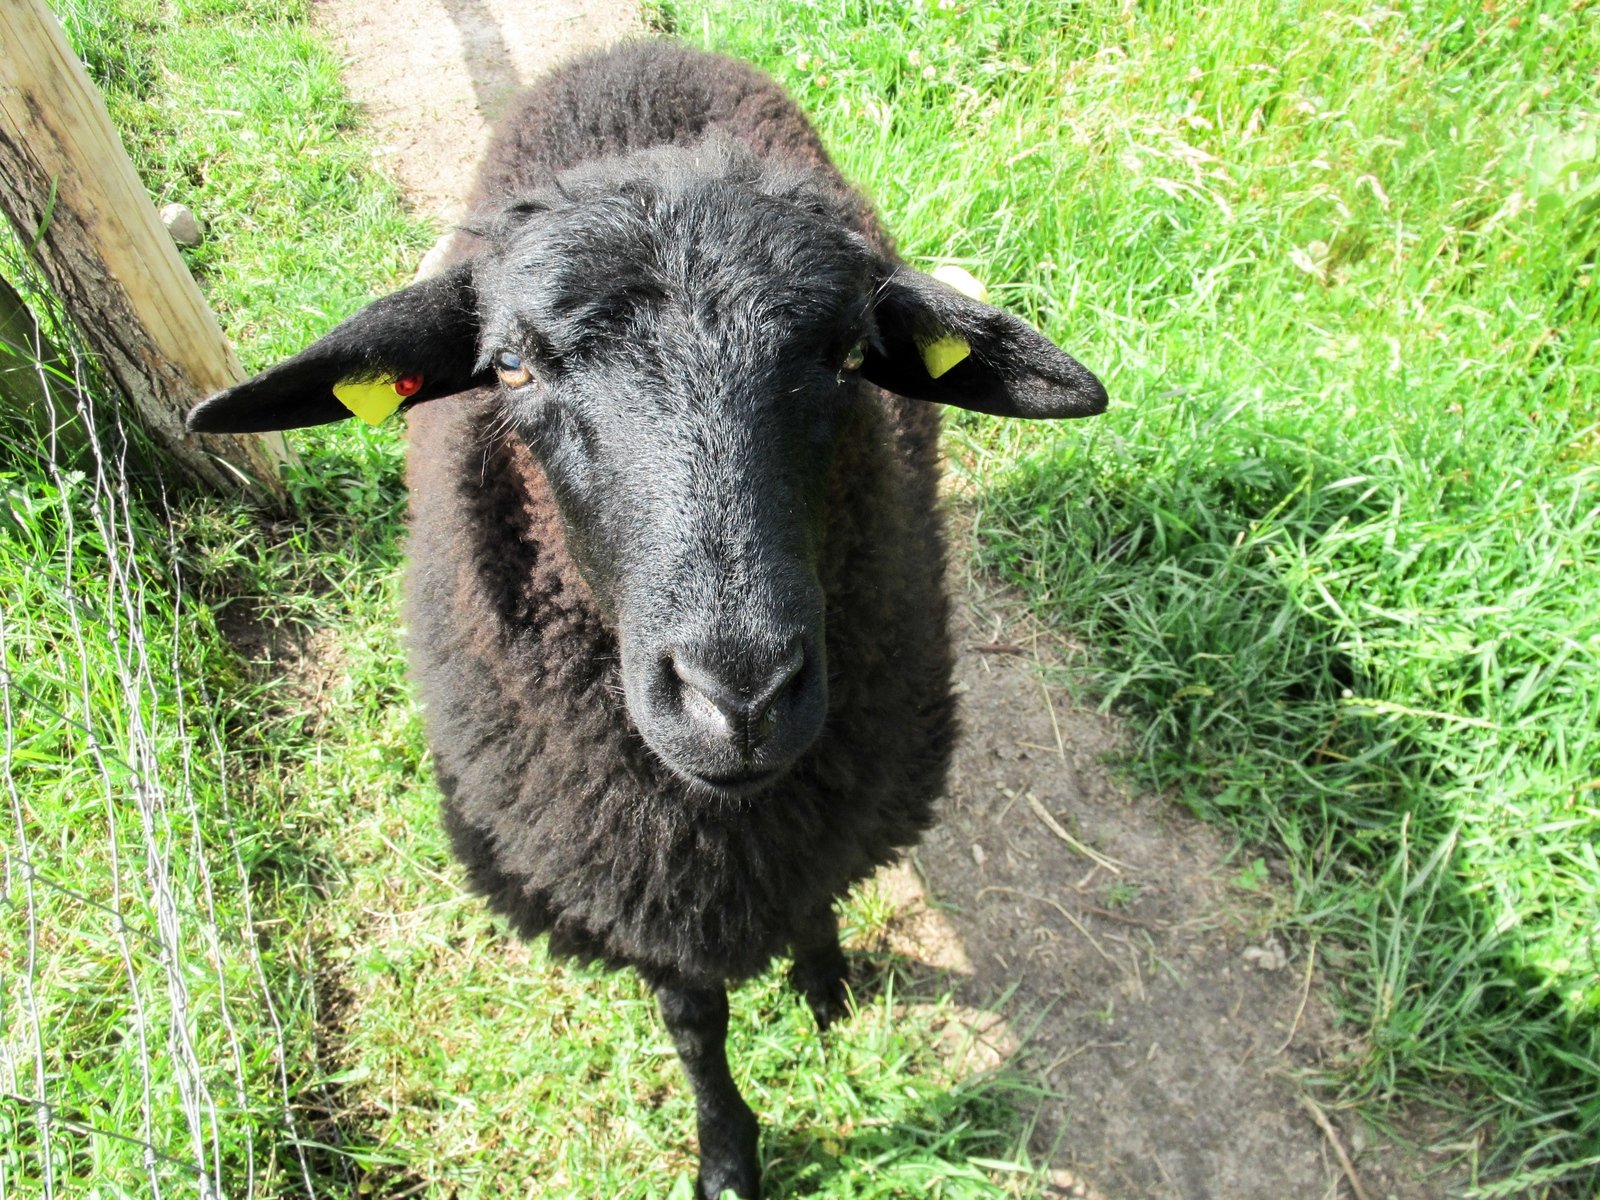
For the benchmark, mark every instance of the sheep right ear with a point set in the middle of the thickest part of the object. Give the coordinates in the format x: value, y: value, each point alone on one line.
x: 421, y: 340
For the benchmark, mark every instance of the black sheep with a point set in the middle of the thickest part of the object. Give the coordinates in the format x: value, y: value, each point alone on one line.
x: 675, y: 593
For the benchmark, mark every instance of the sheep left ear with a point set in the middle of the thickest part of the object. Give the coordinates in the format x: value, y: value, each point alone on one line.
x: 420, y: 341
x: 1008, y: 369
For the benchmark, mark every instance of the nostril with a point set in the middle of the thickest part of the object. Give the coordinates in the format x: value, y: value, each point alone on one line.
x: 703, y: 689
x: 778, y: 682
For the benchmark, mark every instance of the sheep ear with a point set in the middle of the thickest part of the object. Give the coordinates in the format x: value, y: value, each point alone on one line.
x: 1007, y: 369
x: 420, y: 342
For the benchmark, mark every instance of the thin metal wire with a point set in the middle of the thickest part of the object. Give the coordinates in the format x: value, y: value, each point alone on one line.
x: 20, y: 864
x: 186, y: 973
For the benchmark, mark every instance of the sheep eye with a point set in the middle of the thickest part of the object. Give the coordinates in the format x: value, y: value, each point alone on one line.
x: 513, y: 372
x: 856, y: 356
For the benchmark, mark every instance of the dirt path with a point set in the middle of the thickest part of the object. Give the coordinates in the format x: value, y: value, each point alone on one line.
x: 1111, y: 932
x: 1093, y: 937
x: 432, y: 74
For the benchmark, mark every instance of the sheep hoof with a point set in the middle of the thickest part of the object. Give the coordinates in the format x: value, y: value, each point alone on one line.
x: 826, y: 987
x: 712, y: 1192
x: 729, y: 1165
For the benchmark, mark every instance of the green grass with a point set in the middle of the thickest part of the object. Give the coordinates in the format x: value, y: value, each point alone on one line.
x: 1335, y: 546
x: 149, y: 883
x: 148, y: 994
x: 416, y: 1047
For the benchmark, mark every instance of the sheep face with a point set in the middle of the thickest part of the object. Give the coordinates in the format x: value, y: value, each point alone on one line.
x: 682, y: 356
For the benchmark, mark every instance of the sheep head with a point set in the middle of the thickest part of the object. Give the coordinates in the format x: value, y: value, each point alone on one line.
x: 680, y: 336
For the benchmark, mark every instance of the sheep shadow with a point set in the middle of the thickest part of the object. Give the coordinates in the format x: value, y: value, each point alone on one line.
x: 1100, y: 945
x: 1174, y: 1034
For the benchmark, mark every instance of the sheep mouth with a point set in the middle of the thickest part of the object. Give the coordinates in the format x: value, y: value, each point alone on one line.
x: 735, y: 786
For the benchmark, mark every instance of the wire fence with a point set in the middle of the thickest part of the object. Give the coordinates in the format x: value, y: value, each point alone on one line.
x: 145, y: 1048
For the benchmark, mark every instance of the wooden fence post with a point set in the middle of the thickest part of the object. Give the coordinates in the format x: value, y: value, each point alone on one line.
x: 70, y: 192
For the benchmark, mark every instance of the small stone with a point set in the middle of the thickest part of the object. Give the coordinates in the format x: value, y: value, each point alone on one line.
x: 181, y: 224
x: 1269, y: 956
x: 1359, y: 1136
x: 977, y: 854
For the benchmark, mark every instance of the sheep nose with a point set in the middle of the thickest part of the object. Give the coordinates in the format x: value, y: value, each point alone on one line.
x: 724, y: 704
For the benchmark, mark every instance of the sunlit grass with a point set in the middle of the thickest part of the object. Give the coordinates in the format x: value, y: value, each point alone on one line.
x: 138, y: 1031
x: 1335, y: 546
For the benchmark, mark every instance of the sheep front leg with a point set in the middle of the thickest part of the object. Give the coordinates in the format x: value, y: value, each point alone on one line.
x: 820, y: 972
x: 697, y: 1019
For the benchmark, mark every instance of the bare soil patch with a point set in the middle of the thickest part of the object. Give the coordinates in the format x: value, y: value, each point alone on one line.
x: 1092, y: 937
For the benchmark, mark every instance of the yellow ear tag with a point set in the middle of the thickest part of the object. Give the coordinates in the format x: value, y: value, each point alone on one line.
x: 941, y: 353
x: 374, y: 399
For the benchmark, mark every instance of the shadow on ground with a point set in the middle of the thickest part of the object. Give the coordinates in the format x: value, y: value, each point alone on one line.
x: 1105, y: 944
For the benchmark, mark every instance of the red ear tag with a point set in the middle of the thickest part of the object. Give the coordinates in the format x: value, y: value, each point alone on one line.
x: 408, y: 385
